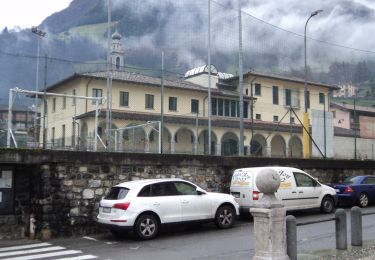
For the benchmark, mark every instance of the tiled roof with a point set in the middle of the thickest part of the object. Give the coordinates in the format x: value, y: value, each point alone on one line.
x: 350, y: 107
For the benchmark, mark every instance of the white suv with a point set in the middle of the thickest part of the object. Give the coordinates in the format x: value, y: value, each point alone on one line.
x: 143, y: 206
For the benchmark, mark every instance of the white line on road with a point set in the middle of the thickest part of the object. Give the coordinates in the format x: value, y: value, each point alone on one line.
x: 60, y: 253
x: 32, y: 251
x: 90, y: 238
x: 83, y: 257
x: 10, y: 248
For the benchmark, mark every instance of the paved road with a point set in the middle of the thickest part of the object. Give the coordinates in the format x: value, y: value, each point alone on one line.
x: 206, y: 242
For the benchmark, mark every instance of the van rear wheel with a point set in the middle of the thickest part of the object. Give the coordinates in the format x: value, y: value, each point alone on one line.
x: 327, y: 205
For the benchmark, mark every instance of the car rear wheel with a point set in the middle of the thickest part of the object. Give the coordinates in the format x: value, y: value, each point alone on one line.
x: 146, y: 227
x: 225, y: 217
x: 327, y: 205
x: 363, y: 200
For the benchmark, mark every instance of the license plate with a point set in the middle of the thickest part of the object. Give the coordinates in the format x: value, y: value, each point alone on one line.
x: 106, y: 210
x: 236, y: 194
x: 337, y: 190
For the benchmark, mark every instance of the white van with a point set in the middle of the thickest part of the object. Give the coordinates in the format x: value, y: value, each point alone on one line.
x: 298, y: 190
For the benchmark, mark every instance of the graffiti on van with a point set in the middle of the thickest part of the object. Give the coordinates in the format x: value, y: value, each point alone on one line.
x: 241, y: 178
x: 285, y: 180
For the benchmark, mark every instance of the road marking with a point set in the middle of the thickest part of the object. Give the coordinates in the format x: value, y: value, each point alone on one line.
x: 83, y: 257
x: 31, y: 251
x: 53, y: 254
x: 10, y: 248
x: 90, y: 238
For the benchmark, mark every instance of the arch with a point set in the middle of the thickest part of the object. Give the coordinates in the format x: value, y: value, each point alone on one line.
x: 132, y: 139
x: 203, y: 142
x: 154, y: 141
x: 117, y: 62
x: 295, y: 147
x: 278, y: 146
x: 229, y: 144
x: 258, y: 145
x: 184, y: 140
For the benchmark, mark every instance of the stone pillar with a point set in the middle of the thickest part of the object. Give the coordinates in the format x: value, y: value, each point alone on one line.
x: 173, y: 147
x: 195, y: 147
x: 269, y: 219
x: 286, y: 151
x: 147, y: 145
x: 218, y: 149
x: 268, y: 151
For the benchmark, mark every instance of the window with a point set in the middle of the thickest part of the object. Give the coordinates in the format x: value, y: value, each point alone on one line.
x: 184, y: 188
x: 308, y: 99
x: 97, y: 93
x: 53, y: 105
x: 258, y: 117
x: 334, y: 114
x: 276, y: 118
x: 232, y: 108
x: 321, y: 98
x: 117, y: 193
x: 214, y: 106
x: 125, y: 135
x: 152, y: 136
x: 63, y: 136
x: 226, y: 107
x: 172, y: 104
x: 163, y: 189
x: 275, y: 95
x: 195, y: 106
x: 220, y: 107
x: 246, y: 109
x: 247, y: 92
x: 53, y: 136
x: 292, y: 120
x: 74, y: 99
x: 64, y: 102
x: 124, y: 99
x: 369, y: 180
x: 145, y: 192
x: 303, y: 180
x: 288, y: 97
x: 258, y: 89
x: 149, y: 101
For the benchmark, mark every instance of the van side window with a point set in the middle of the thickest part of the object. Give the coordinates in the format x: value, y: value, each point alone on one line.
x: 302, y: 180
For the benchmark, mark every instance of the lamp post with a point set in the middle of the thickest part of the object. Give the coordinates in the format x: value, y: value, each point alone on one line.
x: 40, y: 34
x: 306, y: 142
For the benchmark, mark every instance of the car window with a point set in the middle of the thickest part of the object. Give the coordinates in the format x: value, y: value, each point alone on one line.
x: 369, y: 180
x: 117, y: 193
x: 145, y: 192
x: 184, y: 188
x: 163, y: 189
x: 302, y: 180
x: 351, y: 179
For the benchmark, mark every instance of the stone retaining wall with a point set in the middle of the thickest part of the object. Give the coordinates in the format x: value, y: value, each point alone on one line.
x: 63, y: 189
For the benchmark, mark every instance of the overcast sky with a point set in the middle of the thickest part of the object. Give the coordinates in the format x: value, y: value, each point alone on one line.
x: 27, y: 13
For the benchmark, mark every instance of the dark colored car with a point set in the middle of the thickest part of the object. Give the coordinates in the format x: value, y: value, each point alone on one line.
x: 356, y: 190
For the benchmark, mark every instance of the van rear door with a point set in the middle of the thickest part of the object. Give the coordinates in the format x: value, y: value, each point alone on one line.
x: 241, y: 187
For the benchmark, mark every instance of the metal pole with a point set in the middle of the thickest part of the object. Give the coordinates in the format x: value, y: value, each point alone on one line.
x: 252, y: 112
x: 161, y: 102
x: 241, y: 147
x: 355, y: 130
x: 209, y: 77
x: 160, y: 138
x: 36, y: 89
x: 108, y: 112
x: 45, y: 104
x: 325, y: 128
x: 96, y: 125
x: 10, y: 104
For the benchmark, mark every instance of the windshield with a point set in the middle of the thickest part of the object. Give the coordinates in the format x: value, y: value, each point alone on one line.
x: 117, y: 193
x: 351, y: 179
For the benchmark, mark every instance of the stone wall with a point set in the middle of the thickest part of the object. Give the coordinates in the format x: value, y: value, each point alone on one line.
x: 63, y: 189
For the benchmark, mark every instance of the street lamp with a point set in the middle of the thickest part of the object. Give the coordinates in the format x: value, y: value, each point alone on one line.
x: 41, y: 34
x: 306, y: 143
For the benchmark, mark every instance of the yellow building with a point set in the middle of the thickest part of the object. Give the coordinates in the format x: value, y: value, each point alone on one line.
x: 136, y: 100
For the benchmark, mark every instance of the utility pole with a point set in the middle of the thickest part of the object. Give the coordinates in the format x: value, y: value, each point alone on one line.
x: 45, y: 104
x: 162, y: 101
x: 355, y: 128
x: 109, y: 79
x: 209, y: 77
x: 241, y: 147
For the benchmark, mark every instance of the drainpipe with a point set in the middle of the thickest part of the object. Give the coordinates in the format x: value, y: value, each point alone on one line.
x: 87, y: 91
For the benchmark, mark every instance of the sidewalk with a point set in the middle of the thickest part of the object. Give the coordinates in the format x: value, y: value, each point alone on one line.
x: 366, y: 252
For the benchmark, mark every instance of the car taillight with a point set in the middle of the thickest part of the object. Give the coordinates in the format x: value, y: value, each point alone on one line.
x: 348, y: 190
x: 255, y: 195
x: 123, y: 206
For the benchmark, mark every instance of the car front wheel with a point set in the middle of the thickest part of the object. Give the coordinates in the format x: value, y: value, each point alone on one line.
x: 225, y: 217
x: 328, y: 205
x: 363, y: 200
x: 146, y: 227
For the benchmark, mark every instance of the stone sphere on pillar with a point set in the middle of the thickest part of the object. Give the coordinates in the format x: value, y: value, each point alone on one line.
x: 268, y: 181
